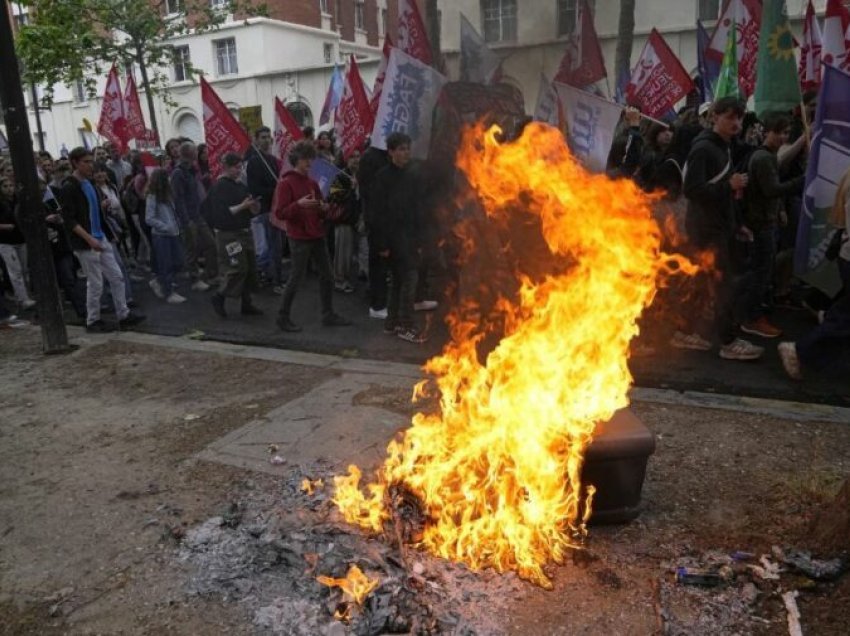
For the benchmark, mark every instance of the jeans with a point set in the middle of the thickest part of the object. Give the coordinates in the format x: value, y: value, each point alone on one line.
x: 272, y: 265
x: 15, y: 257
x: 301, y: 251
x: 829, y: 342
x: 343, y: 252
x: 377, y: 278
x: 169, y: 260
x: 762, y: 265
x: 402, y: 292
x: 97, y: 266
x: 199, y: 242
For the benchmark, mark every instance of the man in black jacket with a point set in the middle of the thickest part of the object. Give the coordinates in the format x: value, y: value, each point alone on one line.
x: 90, y: 239
x: 395, y: 227
x: 372, y: 161
x: 262, y: 172
x: 710, y: 185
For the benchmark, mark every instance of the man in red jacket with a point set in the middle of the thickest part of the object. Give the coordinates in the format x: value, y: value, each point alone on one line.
x: 298, y: 203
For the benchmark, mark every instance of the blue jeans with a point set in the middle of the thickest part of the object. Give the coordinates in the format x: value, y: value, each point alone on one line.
x: 169, y: 260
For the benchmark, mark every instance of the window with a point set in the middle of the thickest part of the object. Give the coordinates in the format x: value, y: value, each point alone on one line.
x: 329, y: 53
x: 80, y: 93
x: 568, y: 15
x: 499, y: 20
x: 708, y: 9
x: 181, y: 63
x: 323, y: 6
x: 301, y: 113
x: 383, y: 21
x: 225, y: 56
x: 358, y: 15
x: 173, y: 7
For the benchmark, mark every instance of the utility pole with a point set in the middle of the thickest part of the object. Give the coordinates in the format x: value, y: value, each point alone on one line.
x: 53, y: 334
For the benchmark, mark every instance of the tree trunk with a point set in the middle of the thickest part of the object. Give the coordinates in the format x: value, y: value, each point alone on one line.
x: 625, y: 39
x: 43, y: 275
x: 146, y: 83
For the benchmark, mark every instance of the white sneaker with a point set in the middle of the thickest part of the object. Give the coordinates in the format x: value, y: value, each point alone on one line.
x: 740, y: 349
x: 380, y: 314
x: 425, y: 305
x: 200, y: 285
x: 175, y: 299
x: 156, y: 288
x: 29, y: 303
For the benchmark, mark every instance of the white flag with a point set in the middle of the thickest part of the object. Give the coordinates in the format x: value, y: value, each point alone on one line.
x: 548, y: 109
x: 478, y: 63
x: 591, y: 121
x: 408, y: 97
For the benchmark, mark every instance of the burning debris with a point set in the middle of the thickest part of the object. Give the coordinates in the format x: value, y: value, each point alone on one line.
x: 494, y: 479
x: 356, y: 586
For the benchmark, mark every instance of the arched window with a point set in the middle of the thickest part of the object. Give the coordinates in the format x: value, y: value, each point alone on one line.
x: 301, y: 112
x: 189, y: 126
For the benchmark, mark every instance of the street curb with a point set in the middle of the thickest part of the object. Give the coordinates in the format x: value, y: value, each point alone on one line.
x: 796, y: 411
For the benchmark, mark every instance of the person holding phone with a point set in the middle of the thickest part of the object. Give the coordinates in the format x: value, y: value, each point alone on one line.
x: 299, y: 204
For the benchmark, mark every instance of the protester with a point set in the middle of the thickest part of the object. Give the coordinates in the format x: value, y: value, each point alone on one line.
x: 119, y: 166
x: 204, y: 167
x: 299, y: 204
x: 13, y: 246
x: 709, y: 186
x: 654, y: 154
x: 262, y: 170
x: 90, y: 236
x: 172, y: 153
x: 60, y: 248
x: 345, y: 211
x: 372, y: 161
x: 229, y: 208
x: 102, y: 156
x: 161, y: 216
x: 325, y: 147
x: 627, y: 149
x: 198, y: 240
x: 764, y: 215
x: 395, y: 220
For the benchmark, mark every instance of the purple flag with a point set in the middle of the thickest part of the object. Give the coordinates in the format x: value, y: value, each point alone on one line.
x: 333, y: 97
x: 709, y: 68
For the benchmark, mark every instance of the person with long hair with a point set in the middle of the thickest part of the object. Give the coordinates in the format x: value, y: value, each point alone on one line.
x: 161, y: 216
x: 828, y: 343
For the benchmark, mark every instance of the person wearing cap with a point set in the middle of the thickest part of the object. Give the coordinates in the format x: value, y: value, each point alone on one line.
x: 229, y: 208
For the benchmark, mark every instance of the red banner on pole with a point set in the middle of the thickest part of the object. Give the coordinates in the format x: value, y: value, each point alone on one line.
x: 382, y: 74
x: 136, y: 128
x: 412, y: 36
x: 113, y: 121
x: 222, y: 133
x: 582, y: 63
x: 286, y: 131
x: 658, y: 80
x: 746, y: 15
x: 353, y: 120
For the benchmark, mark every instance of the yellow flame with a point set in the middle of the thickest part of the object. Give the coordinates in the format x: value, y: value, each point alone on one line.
x: 498, y: 470
x: 309, y: 487
x: 355, y: 584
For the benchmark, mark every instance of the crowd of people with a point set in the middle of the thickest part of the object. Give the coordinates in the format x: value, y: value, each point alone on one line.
x: 733, y: 181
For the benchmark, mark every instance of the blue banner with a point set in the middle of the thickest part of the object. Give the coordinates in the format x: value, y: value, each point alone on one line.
x: 709, y: 68
x: 323, y: 172
x: 828, y: 161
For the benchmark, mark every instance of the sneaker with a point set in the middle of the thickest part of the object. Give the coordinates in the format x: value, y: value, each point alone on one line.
x: 285, y: 324
x: 409, y: 334
x: 200, y: 285
x: 345, y: 287
x: 425, y: 305
x: 130, y: 319
x: 175, y: 299
x: 692, y: 341
x: 136, y: 277
x: 380, y: 314
x: 156, y: 288
x: 29, y: 303
x: 761, y: 327
x: 13, y: 322
x: 98, y: 326
x: 790, y: 360
x: 218, y: 305
x: 335, y: 320
x: 740, y: 349
x: 251, y: 310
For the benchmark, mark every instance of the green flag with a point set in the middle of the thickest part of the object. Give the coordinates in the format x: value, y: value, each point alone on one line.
x: 777, y: 83
x: 727, y: 81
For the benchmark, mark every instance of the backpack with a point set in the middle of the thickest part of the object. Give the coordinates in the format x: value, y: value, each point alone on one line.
x: 131, y: 200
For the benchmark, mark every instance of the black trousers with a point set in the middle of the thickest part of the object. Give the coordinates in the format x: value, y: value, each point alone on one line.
x: 301, y: 251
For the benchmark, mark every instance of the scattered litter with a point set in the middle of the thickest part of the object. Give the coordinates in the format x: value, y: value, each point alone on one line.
x: 813, y: 568
x: 790, y: 600
x: 767, y: 571
x: 191, y: 417
x: 277, y: 460
x: 196, y: 334
x: 252, y: 406
x: 272, y: 449
x: 698, y: 577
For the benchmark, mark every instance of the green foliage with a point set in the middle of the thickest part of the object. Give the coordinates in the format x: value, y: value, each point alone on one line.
x: 71, y: 40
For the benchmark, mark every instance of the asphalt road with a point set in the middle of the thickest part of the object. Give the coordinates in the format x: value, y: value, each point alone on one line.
x: 667, y: 368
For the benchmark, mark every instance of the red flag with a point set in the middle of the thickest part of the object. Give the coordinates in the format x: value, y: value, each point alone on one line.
x: 286, y: 130
x: 810, y: 51
x: 353, y: 120
x: 582, y: 63
x: 836, y: 33
x: 412, y: 36
x: 382, y: 73
x: 222, y: 133
x: 113, y: 121
x: 149, y: 162
x: 747, y: 17
x: 133, y: 110
x: 658, y: 80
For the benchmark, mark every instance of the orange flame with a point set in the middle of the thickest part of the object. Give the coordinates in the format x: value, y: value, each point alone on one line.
x: 498, y: 470
x: 309, y: 487
x: 355, y: 584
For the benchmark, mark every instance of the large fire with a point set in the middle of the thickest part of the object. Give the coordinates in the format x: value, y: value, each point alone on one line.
x: 497, y: 472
